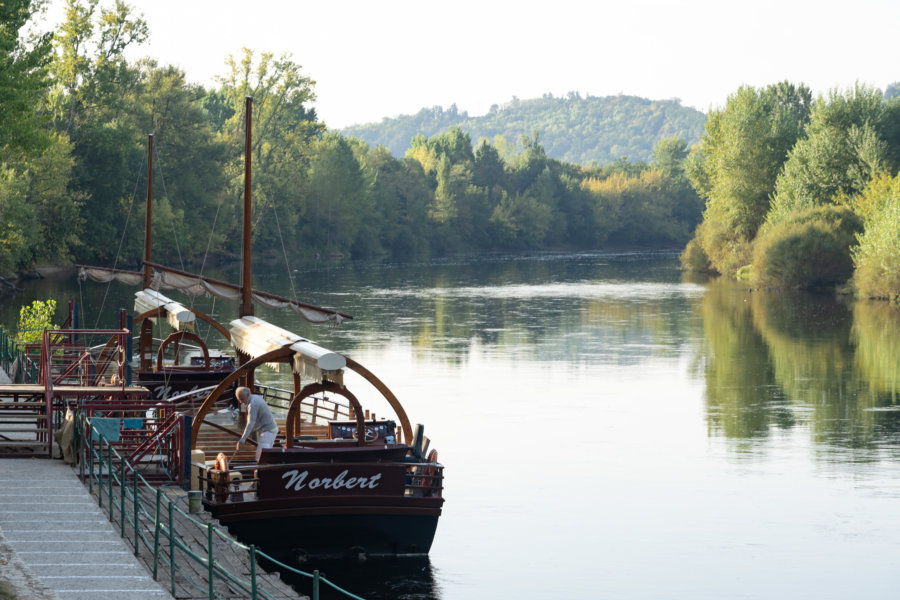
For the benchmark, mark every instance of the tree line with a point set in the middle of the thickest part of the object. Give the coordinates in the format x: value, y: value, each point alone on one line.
x: 801, y: 192
x: 73, y: 134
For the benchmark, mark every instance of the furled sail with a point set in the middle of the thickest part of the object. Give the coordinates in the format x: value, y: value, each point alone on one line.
x: 255, y: 337
x: 165, y: 278
x: 178, y: 315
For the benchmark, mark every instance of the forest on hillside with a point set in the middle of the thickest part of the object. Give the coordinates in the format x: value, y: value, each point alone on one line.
x: 75, y: 115
x: 582, y: 130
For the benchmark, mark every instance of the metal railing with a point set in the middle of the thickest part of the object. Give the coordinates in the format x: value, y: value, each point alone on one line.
x: 27, y: 369
x: 152, y: 520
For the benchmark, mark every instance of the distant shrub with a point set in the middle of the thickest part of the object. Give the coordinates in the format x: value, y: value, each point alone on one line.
x: 877, y: 258
x: 810, y: 248
x: 725, y: 252
x: 694, y: 258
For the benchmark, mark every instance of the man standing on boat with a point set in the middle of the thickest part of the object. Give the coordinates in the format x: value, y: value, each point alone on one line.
x: 259, y: 419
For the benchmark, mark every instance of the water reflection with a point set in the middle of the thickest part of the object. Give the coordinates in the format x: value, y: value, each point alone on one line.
x: 778, y: 361
x: 381, y: 579
x: 647, y: 424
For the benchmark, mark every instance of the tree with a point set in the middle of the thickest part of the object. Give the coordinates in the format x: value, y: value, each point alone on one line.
x: 284, y: 129
x: 735, y: 165
x: 669, y: 155
x: 851, y: 137
x: 340, y: 205
x: 90, y: 104
x: 23, y: 83
x: 33, y: 320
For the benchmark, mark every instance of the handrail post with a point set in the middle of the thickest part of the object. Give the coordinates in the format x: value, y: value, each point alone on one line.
x: 90, y: 455
x: 134, y: 487
x: 209, y: 541
x: 99, y: 464
x: 156, y: 537
x: 171, y: 547
x: 78, y: 447
x: 316, y: 584
x: 109, y: 477
x: 252, y: 572
x: 122, y: 495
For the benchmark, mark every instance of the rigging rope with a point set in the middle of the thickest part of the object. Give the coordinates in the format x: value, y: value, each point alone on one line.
x: 284, y: 251
x: 166, y: 196
x: 203, y: 263
x: 121, y: 241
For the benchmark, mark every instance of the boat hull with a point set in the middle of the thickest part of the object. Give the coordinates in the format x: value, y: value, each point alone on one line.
x: 334, y: 536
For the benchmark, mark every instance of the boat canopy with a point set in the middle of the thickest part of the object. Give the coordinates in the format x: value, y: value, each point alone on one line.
x: 177, y: 314
x: 255, y: 337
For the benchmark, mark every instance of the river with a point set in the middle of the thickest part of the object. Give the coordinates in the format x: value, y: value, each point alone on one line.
x: 612, y: 430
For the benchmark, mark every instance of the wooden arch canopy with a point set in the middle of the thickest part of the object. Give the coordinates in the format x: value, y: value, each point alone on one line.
x: 285, y: 354
x: 175, y: 338
x: 387, y: 393
x: 292, y: 421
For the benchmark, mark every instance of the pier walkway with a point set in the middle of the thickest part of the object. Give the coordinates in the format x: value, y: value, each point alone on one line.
x: 55, y: 528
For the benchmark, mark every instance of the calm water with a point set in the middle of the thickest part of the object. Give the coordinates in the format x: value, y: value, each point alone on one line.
x: 610, y: 430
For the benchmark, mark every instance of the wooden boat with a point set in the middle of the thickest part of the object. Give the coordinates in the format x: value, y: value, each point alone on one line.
x: 340, y: 480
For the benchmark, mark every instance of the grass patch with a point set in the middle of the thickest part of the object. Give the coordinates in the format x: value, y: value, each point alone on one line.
x: 6, y: 591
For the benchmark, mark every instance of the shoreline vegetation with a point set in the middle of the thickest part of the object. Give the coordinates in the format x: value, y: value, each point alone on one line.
x: 801, y: 192
x: 781, y: 189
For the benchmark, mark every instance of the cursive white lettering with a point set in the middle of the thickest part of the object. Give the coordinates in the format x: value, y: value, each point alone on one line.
x: 297, y: 480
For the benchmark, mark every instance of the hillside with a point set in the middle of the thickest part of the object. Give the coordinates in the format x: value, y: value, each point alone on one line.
x: 572, y: 129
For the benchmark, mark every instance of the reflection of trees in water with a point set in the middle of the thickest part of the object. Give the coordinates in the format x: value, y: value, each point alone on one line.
x: 742, y: 399
x: 876, y: 335
x: 786, y: 359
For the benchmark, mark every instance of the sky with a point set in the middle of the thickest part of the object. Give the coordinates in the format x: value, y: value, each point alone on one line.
x: 372, y: 60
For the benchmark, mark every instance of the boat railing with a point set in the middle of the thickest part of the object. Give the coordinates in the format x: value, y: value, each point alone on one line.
x: 158, y: 529
x: 317, y: 410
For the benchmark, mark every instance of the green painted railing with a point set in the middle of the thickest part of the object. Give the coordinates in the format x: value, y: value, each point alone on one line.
x: 10, y: 352
x: 150, y: 521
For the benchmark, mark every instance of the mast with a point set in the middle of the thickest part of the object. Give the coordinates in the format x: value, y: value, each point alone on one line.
x: 246, y: 308
x: 147, y: 229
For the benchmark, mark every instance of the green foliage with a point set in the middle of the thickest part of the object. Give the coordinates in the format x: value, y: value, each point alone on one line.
x: 573, y: 129
x: 735, y: 165
x: 851, y: 136
x: 285, y: 128
x: 809, y: 249
x: 34, y: 319
x: 23, y: 83
x: 694, y: 259
x: 877, y: 258
x: 640, y: 210
x: 340, y: 205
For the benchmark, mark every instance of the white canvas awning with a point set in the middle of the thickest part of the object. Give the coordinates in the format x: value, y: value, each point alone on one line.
x: 177, y: 314
x: 255, y: 337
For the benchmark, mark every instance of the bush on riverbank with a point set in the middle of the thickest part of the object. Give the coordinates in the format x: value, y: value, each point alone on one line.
x: 809, y: 249
x: 877, y: 258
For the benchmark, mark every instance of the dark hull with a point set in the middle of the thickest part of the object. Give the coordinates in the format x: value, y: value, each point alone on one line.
x: 340, y: 527
x: 333, y: 536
